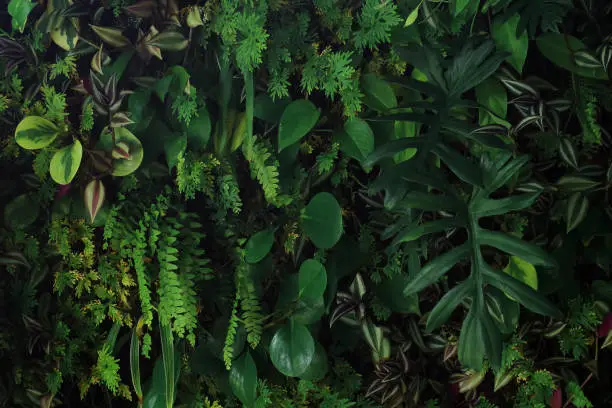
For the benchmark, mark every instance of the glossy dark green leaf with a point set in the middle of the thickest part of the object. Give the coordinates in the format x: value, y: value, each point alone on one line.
x: 471, y: 349
x: 560, y: 49
x: 461, y: 166
x: 259, y: 245
x: 515, y: 246
x: 523, y: 293
x: 491, y: 94
x: 318, y: 366
x: 322, y: 220
x: 312, y: 280
x: 243, y: 379
x: 576, y: 183
x: 505, y: 173
x: 292, y: 349
x: 436, y: 268
x: 298, y: 118
x: 447, y: 304
x: 503, y: 310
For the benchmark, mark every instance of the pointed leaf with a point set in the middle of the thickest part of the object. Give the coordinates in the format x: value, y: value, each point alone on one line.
x: 506, y: 39
x: 577, y: 208
x: 560, y: 48
x: 515, y: 246
x: 358, y: 138
x: 471, y: 349
x: 378, y: 94
x: 312, y: 280
x: 435, y: 269
x: 94, y: 198
x: 112, y: 36
x: 445, y: 306
x: 298, y: 118
x: 167, y: 346
x: 135, y: 363
x: 462, y: 167
x: 243, y: 379
x: 414, y: 232
x: 486, y: 207
x: 19, y: 11
x: 390, y: 149
x: 568, y: 153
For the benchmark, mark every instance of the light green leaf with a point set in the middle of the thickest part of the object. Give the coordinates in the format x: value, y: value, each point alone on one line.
x: 198, y: 131
x: 167, y: 343
x: 292, y: 349
x: 243, y: 379
x: 414, y: 14
x: 312, y: 280
x: 459, y: 6
x: 322, y: 220
x: 19, y: 11
x: 504, y: 35
x: 358, y: 138
x: 560, y: 50
x: 577, y: 209
x: 378, y: 94
x: 34, y: 132
x: 492, y: 95
x: 65, y: 163
x: 259, y: 245
x: 299, y: 117
x: 522, y: 271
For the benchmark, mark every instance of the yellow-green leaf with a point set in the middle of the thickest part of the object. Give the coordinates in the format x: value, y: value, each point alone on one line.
x: 65, y: 163
x: 34, y: 132
x: 522, y: 271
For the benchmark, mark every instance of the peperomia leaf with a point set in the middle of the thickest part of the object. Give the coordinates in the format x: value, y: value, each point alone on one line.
x: 65, y: 163
x: 243, y: 379
x: 312, y: 280
x: 259, y: 245
x: 322, y: 220
x: 34, y: 132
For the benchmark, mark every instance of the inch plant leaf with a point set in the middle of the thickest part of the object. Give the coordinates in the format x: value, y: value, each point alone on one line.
x: 94, y: 198
x: 436, y: 268
x: 322, y: 220
x: 447, y: 304
x: 298, y: 118
x: 259, y: 245
x: 243, y: 379
x: 577, y: 208
x: 112, y: 36
x: 560, y: 50
x: 515, y: 246
x: 576, y: 183
x: 568, y: 153
x: 312, y: 280
x: 378, y: 94
x: 34, y: 132
x: 523, y: 293
x: 504, y: 311
x: 65, y: 163
x: 292, y: 349
x: 506, y: 39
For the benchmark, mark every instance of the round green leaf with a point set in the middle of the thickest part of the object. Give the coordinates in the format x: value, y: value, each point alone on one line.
x: 21, y: 212
x: 123, y: 167
x: 292, y: 349
x: 299, y: 117
x: 34, y: 132
x: 65, y: 163
x: 560, y: 48
x: 318, y: 366
x: 322, y: 220
x: 198, y: 132
x: 259, y: 245
x: 378, y: 94
x: 312, y: 280
x: 243, y: 379
x: 357, y: 139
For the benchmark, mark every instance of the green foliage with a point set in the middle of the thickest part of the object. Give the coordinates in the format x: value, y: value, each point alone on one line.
x: 575, y: 393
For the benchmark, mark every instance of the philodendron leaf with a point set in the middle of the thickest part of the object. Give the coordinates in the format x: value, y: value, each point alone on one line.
x: 94, y: 198
x: 34, y: 132
x: 515, y: 246
x: 577, y: 208
x: 436, y: 268
x: 65, y: 163
x: 312, y: 280
x: 292, y: 349
x: 322, y: 220
x: 243, y: 379
x: 445, y: 306
x: 471, y: 349
x: 506, y: 39
x: 19, y: 11
x: 298, y: 118
x: 259, y: 245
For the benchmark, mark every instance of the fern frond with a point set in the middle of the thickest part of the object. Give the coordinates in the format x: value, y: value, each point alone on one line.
x: 251, y: 315
x: 258, y: 155
x: 232, y: 327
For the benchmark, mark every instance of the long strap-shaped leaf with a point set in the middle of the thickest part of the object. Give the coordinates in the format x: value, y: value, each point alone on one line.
x: 414, y: 232
x: 486, y: 207
x: 435, y: 269
x: 515, y: 246
x: 135, y: 365
x: 168, y: 359
x: 392, y: 148
x: 462, y: 167
x: 449, y: 302
x: 525, y: 295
